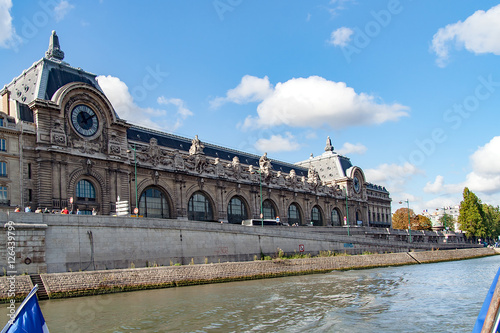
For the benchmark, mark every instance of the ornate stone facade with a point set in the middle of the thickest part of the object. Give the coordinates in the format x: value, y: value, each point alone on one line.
x: 74, y: 151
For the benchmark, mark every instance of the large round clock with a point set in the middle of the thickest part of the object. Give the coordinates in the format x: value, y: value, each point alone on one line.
x: 84, y: 120
x: 357, y: 185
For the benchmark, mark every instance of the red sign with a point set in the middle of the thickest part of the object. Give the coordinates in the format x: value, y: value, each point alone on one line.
x: 301, y: 248
x: 136, y: 210
x: 71, y: 200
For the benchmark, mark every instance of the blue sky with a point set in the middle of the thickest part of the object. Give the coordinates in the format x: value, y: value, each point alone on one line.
x: 409, y: 90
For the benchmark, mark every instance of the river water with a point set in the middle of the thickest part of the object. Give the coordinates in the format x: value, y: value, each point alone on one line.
x: 441, y: 297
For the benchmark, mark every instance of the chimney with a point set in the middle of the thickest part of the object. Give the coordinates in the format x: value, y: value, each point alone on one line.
x: 5, y: 101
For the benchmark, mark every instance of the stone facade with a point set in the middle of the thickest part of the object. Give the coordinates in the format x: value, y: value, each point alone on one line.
x: 66, y: 147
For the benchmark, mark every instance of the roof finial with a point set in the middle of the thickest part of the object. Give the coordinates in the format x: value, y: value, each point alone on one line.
x: 54, y: 50
x: 329, y: 146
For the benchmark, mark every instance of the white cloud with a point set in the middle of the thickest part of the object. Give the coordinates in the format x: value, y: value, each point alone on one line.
x: 484, y: 177
x: 439, y: 187
x: 349, y: 148
x: 250, y: 89
x: 310, y: 102
x: 392, y: 176
x: 121, y: 99
x: 341, y: 36
x: 277, y: 143
x: 8, y: 36
x: 479, y: 33
x: 62, y: 9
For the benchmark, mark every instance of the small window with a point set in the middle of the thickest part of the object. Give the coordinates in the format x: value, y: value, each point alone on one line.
x: 29, y: 170
x: 3, y: 194
x: 3, y: 169
x: 30, y: 195
x: 1, y: 122
x: 3, y: 145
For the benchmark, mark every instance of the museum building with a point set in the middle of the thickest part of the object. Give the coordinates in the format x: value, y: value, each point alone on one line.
x: 63, y: 145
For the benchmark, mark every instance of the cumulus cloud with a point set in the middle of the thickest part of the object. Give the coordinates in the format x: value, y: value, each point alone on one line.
x: 350, y: 148
x: 484, y: 177
x: 479, y: 33
x: 168, y: 119
x: 8, y: 36
x: 310, y: 102
x: 439, y: 187
x: 250, y: 89
x: 62, y: 9
x: 277, y: 143
x: 392, y: 176
x: 341, y: 37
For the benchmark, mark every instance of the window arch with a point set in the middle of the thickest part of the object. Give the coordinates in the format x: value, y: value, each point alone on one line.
x: 336, y: 217
x: 316, y: 217
x: 154, y: 203
x: 200, y: 208
x: 85, y: 191
x: 294, y: 214
x: 236, y: 210
x: 268, y: 210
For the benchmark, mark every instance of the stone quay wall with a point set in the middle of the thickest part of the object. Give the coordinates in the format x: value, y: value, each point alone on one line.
x: 59, y: 285
x: 47, y: 243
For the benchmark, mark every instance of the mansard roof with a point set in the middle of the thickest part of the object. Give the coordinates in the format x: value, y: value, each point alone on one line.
x: 144, y: 135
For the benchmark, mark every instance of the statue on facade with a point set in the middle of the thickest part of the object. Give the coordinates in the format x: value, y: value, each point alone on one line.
x: 265, y: 166
x: 196, y: 146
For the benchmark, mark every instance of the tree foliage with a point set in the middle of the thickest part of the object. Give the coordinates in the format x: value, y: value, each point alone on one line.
x: 471, y: 218
x: 447, y: 221
x: 421, y: 222
x: 400, y: 218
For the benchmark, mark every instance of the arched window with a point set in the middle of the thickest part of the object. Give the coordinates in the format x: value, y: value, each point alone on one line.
x: 294, y: 215
x: 268, y: 210
x: 236, y: 211
x: 316, y: 217
x: 335, y: 217
x: 153, y: 203
x: 85, y: 191
x: 199, y: 208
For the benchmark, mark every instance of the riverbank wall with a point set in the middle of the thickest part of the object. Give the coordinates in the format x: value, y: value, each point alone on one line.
x: 47, y: 243
x: 60, y: 285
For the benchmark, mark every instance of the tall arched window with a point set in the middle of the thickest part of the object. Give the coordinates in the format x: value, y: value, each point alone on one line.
x: 153, y: 203
x: 200, y: 208
x: 294, y: 215
x: 268, y: 210
x: 236, y: 211
x: 335, y: 217
x: 316, y: 217
x: 85, y: 191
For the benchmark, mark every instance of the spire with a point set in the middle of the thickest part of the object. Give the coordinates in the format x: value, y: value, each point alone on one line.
x: 329, y: 146
x: 54, y: 50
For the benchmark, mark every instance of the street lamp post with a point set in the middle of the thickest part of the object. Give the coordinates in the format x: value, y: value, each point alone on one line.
x: 261, y: 210
x: 135, y: 177
x: 409, y: 223
x: 347, y: 213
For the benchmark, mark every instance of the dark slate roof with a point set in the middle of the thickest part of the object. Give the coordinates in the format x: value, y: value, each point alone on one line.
x: 24, y: 112
x: 141, y: 134
x: 345, y: 163
x: 58, y: 77
x: 376, y: 188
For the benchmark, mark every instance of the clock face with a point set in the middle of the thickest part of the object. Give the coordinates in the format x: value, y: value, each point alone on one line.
x: 84, y: 120
x: 357, y: 185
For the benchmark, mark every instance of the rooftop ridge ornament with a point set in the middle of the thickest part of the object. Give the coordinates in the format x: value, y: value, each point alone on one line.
x: 329, y: 146
x: 54, y: 50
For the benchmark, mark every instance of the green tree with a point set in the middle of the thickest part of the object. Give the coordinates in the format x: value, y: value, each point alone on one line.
x: 492, y: 220
x: 400, y: 218
x: 421, y: 222
x: 471, y: 216
x: 447, y: 221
